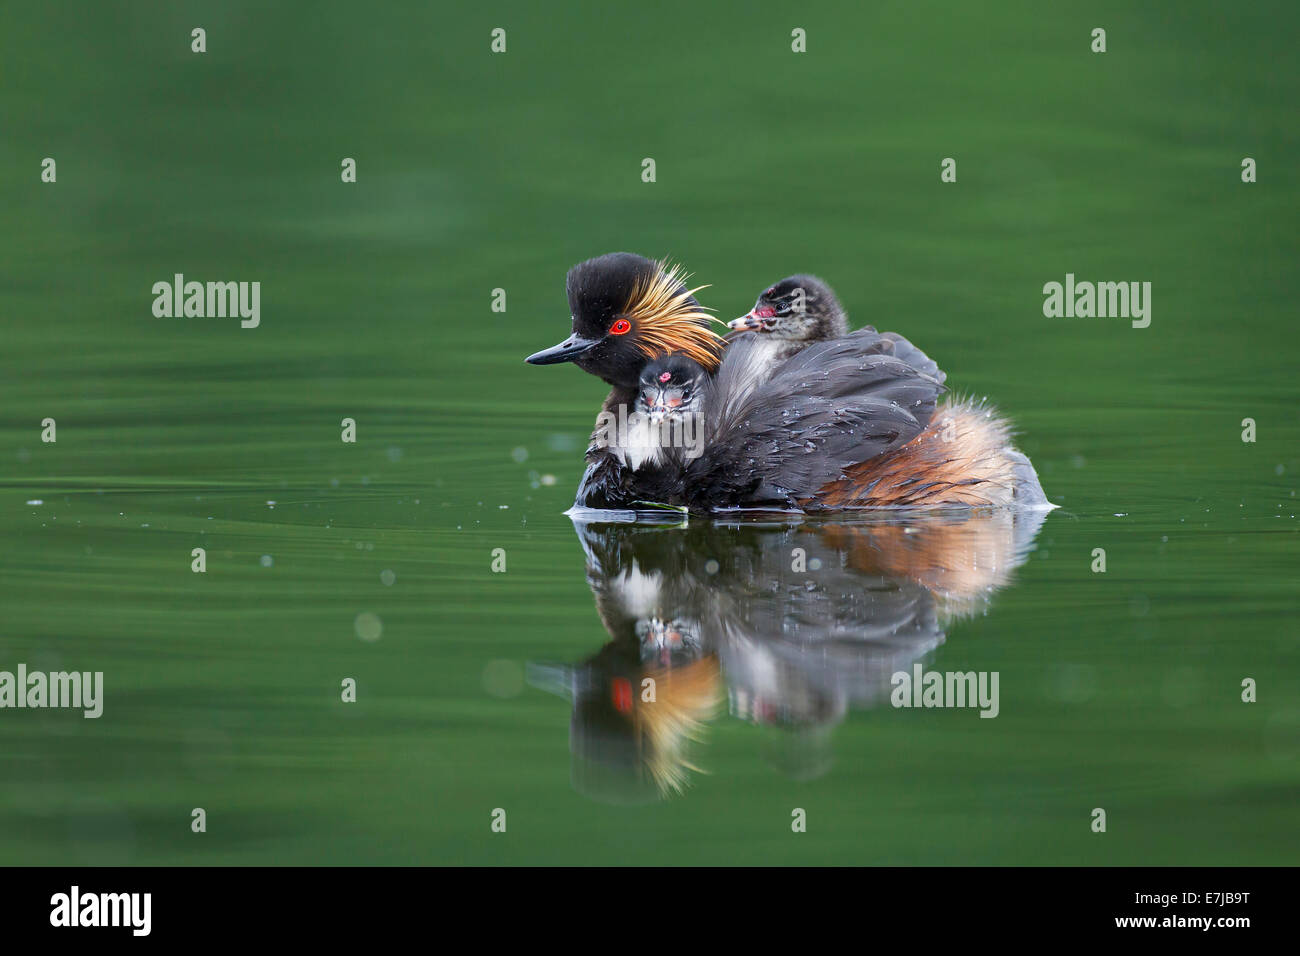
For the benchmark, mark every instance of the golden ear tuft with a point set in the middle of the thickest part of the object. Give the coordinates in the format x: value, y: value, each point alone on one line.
x: 686, y: 699
x: 668, y: 321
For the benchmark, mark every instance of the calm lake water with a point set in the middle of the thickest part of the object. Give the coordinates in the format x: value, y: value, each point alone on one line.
x: 772, y: 644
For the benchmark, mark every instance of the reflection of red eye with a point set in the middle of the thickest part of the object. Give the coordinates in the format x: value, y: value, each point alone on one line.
x: 620, y: 327
x: 621, y: 693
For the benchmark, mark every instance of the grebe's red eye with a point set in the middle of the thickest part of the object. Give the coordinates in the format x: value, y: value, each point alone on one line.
x: 620, y: 327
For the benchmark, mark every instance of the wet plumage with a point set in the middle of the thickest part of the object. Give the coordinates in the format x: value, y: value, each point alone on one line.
x: 847, y: 420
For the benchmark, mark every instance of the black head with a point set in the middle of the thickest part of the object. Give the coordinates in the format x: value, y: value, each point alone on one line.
x: 671, y: 387
x: 800, y: 308
x: 627, y: 310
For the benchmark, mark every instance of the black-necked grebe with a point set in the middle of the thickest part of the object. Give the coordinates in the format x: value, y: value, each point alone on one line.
x: 626, y: 310
x: 847, y: 423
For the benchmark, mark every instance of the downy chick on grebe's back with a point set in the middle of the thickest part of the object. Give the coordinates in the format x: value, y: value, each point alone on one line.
x: 665, y: 423
x: 789, y: 316
x: 803, y: 309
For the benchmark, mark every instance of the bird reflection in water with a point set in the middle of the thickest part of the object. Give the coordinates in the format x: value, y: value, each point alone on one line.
x: 791, y: 624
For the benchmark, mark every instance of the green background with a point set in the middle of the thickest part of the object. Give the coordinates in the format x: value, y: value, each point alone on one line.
x: 479, y: 171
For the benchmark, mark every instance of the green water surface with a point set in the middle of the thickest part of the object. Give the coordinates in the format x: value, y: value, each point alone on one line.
x: 1119, y: 690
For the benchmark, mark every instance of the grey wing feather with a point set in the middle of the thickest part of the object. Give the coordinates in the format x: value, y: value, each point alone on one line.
x: 833, y: 405
x: 909, y: 353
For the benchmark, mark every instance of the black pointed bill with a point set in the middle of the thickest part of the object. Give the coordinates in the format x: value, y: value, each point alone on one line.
x: 566, y: 351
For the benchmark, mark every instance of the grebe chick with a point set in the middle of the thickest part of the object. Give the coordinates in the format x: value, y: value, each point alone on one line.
x: 791, y: 315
